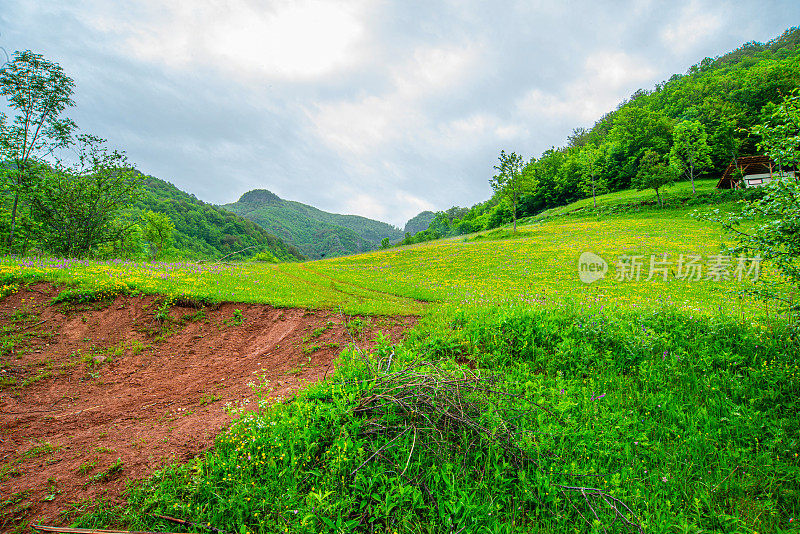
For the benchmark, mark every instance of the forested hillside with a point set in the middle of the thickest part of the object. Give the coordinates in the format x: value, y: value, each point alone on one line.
x: 419, y: 222
x: 318, y: 234
x: 711, y: 108
x: 204, y: 230
x: 188, y: 229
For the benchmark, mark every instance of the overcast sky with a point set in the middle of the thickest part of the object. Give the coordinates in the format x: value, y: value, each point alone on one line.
x: 375, y: 108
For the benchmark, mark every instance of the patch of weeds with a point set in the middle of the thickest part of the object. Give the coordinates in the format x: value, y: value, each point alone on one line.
x: 8, y: 289
x: 102, y: 294
x: 95, y: 358
x: 23, y: 314
x: 357, y: 326
x: 107, y: 474
x: 92, y: 363
x: 52, y: 490
x: 311, y: 349
x: 166, y: 323
x: 186, y: 301
x: 7, y: 382
x: 319, y: 331
x: 104, y: 450
x: 40, y: 376
x: 236, y: 319
x: 74, y: 509
x: 10, y: 470
x: 15, y: 498
x: 299, y: 369
x: 199, y: 315
x: 208, y: 398
x: 86, y: 466
x: 40, y: 450
x: 161, y: 315
x: 315, y: 333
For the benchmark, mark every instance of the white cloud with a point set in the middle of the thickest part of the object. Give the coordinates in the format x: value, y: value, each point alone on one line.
x: 467, y: 133
x: 371, y: 122
x: 365, y: 205
x: 607, y: 78
x: 693, y: 26
x: 295, y: 40
x: 395, y: 208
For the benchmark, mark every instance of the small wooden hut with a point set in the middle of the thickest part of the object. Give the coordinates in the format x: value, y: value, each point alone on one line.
x: 756, y: 171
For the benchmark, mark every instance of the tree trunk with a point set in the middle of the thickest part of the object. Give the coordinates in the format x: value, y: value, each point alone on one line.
x: 514, y: 213
x: 691, y: 175
x: 594, y: 196
x: 13, y: 221
x: 658, y: 196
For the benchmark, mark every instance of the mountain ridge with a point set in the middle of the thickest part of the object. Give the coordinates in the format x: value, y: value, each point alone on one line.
x: 316, y: 233
x: 204, y: 230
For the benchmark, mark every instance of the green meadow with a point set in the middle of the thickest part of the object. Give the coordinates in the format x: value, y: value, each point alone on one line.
x: 524, y: 401
x: 538, y: 263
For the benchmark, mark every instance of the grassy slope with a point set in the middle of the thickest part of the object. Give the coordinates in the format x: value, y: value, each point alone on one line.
x: 540, y: 262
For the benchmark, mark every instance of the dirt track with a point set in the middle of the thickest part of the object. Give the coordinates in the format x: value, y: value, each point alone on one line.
x: 82, y: 388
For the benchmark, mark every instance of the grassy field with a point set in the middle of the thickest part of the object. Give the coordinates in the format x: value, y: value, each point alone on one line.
x: 539, y: 263
x: 668, y: 406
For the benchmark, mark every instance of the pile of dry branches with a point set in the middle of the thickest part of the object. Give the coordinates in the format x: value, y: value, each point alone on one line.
x: 439, y: 407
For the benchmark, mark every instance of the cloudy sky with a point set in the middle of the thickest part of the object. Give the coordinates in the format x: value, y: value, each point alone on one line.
x: 376, y: 108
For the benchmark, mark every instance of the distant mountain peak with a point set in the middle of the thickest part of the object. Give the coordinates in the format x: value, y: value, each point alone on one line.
x: 259, y: 197
x: 317, y: 233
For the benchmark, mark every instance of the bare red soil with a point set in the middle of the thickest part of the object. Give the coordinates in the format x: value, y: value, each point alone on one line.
x: 85, y: 388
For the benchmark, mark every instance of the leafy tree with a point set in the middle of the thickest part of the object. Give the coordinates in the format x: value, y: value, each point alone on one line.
x: 690, y: 151
x: 37, y: 91
x: 636, y: 130
x: 654, y: 174
x: 78, y: 205
x: 440, y: 225
x: 129, y: 243
x: 158, y: 231
x: 589, y: 159
x: 510, y: 182
x: 500, y: 214
x: 578, y: 138
x: 780, y: 132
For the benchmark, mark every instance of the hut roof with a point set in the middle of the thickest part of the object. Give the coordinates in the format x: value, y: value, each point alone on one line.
x: 746, y: 164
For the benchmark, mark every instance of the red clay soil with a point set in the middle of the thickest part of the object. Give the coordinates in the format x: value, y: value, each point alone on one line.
x: 82, y: 387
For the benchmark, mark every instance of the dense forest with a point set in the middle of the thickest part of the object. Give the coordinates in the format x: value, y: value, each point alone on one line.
x: 714, y: 105
x: 318, y: 234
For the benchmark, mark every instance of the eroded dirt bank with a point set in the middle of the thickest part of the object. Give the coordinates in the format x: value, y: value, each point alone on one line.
x: 92, y: 396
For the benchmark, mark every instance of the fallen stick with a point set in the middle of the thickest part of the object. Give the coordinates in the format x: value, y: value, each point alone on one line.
x: 68, y: 530
x: 29, y: 327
